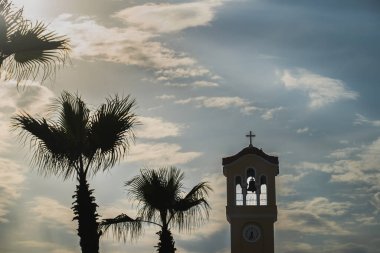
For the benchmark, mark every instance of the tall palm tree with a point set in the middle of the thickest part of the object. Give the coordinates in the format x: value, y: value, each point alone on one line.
x: 161, y: 201
x: 27, y: 49
x: 77, y: 143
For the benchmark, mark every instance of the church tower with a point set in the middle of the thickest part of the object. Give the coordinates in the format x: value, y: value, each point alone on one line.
x: 251, y: 199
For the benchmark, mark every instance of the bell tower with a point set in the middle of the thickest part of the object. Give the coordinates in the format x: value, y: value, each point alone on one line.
x: 251, y: 199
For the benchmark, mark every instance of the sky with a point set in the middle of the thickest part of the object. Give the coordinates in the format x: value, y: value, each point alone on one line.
x: 302, y: 75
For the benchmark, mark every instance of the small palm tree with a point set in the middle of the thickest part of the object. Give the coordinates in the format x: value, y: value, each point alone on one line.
x: 27, y: 49
x: 161, y: 201
x: 78, y: 144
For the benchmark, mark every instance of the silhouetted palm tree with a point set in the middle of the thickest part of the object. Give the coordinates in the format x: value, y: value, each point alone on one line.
x: 78, y: 144
x: 161, y: 201
x: 27, y: 49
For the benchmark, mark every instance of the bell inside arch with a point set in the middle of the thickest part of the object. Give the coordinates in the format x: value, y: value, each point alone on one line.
x: 251, y: 185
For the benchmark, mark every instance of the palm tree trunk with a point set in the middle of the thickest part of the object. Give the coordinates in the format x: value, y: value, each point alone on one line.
x: 166, y: 241
x: 84, y: 208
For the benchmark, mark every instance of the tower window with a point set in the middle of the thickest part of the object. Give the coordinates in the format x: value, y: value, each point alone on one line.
x: 251, y: 192
x: 238, y: 192
x: 263, y: 191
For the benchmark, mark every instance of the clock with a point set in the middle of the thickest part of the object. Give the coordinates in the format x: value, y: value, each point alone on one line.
x: 251, y: 233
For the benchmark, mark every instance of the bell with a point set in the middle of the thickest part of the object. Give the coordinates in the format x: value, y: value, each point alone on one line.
x: 251, y: 186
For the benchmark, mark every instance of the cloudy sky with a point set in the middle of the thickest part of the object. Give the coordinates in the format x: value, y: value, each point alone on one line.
x: 303, y: 75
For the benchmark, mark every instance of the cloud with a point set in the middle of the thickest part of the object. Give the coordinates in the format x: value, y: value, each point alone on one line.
x: 160, y: 154
x: 136, y: 42
x: 343, y: 152
x: 270, y: 113
x: 165, y: 97
x: 302, y: 130
x: 168, y: 18
x: 244, y: 105
x: 361, y: 120
x: 181, y: 72
x: 11, y: 181
x: 217, y: 220
x: 286, y: 183
x: 51, y: 212
x: 157, y: 128
x: 314, y: 216
x: 32, y: 98
x: 353, y: 165
x: 376, y: 201
x: 51, y: 247
x: 320, y: 89
x: 215, y: 102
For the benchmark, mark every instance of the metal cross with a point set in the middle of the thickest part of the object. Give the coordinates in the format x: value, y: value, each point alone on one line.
x: 250, y: 135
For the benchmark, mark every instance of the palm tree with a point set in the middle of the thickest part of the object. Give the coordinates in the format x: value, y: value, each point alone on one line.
x: 80, y: 144
x: 161, y: 201
x: 27, y: 49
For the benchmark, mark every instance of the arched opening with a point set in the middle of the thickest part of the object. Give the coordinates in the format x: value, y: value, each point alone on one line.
x: 263, y: 191
x: 238, y: 192
x: 251, y: 198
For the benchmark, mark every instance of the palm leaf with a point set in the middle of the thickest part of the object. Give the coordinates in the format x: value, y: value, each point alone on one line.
x: 28, y: 50
x: 49, y: 142
x: 122, y: 227
x: 111, y: 131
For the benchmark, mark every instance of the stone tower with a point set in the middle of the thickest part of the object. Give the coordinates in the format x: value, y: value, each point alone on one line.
x: 251, y: 199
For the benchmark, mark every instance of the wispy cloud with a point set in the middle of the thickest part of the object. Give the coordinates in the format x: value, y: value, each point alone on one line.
x: 302, y: 130
x: 352, y: 165
x: 32, y: 98
x: 165, y: 97
x: 269, y: 114
x: 362, y: 120
x: 168, y: 18
x: 320, y: 89
x: 11, y: 181
x: 245, y: 106
x: 157, y: 128
x: 314, y: 216
x: 51, y: 247
x: 52, y: 213
x: 160, y: 154
x: 135, y: 42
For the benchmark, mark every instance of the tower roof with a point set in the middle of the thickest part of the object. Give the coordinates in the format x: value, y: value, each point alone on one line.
x: 250, y: 150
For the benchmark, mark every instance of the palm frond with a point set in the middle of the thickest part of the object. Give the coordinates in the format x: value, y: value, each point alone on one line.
x: 49, y: 144
x: 122, y: 227
x: 28, y: 50
x: 192, y: 210
x: 111, y: 131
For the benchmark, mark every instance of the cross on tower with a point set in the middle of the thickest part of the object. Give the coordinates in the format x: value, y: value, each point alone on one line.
x: 250, y: 135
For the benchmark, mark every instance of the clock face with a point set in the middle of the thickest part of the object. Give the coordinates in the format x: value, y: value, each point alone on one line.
x: 251, y: 233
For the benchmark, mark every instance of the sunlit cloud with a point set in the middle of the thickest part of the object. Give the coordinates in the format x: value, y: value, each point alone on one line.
x: 160, y: 154
x: 269, y: 113
x: 49, y: 246
x: 52, y: 213
x: 165, y: 97
x: 168, y: 18
x: 245, y: 106
x: 320, y: 89
x: 157, y: 128
x: 11, y: 181
x: 302, y: 130
x: 362, y: 120
x: 217, y: 220
x: 285, y: 183
x: 215, y: 102
x: 32, y: 98
x: 136, y: 42
x: 316, y: 216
